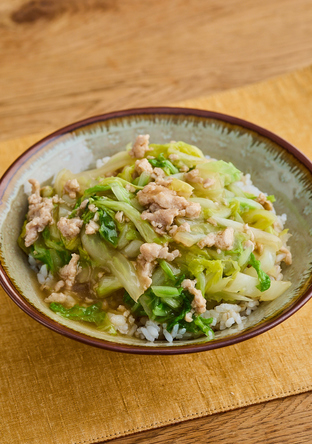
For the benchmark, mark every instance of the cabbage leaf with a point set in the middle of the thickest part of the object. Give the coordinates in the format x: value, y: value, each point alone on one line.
x: 92, y: 314
x: 264, y: 279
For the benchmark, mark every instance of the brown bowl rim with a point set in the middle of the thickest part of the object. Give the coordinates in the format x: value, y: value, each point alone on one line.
x: 29, y: 309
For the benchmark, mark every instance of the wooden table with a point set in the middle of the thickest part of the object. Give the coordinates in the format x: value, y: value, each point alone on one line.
x: 63, y: 60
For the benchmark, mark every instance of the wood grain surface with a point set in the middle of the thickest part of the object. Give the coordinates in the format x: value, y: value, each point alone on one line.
x: 286, y: 421
x: 64, y: 60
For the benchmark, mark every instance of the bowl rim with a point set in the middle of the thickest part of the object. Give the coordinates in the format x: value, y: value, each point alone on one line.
x: 29, y: 309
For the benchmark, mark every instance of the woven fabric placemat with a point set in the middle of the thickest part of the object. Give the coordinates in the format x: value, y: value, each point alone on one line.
x: 57, y: 391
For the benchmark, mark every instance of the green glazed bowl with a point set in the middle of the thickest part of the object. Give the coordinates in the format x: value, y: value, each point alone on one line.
x: 276, y: 167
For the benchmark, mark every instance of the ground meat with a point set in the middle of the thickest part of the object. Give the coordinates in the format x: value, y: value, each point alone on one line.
x: 143, y: 166
x: 211, y: 221
x: 188, y: 317
x: 164, y: 254
x: 59, y: 285
x: 71, y: 187
x: 35, y: 189
x: 194, y: 176
x: 165, y: 198
x: 61, y: 298
x: 152, y: 251
x: 183, y: 227
x: 158, y: 174
x: 184, y: 169
x: 164, y: 205
x: 119, y: 216
x: 173, y: 157
x: 92, y: 208
x: 248, y: 244
x: 39, y: 213
x: 146, y: 261
x: 259, y: 247
x: 248, y: 231
x: 165, y: 181
x: 153, y: 193
x: 130, y: 188
x: 262, y: 200
x: 275, y: 273
x: 69, y: 272
x: 140, y: 146
x: 161, y: 220
x: 145, y: 270
x: 69, y: 228
x: 223, y: 240
x: 288, y: 258
x: 208, y: 241
x: 56, y: 297
x: 82, y: 206
x: 92, y: 227
x: 199, y: 302
x: 208, y: 182
x: 193, y: 210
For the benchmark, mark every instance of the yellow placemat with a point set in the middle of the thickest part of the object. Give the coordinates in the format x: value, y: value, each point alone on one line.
x: 55, y: 390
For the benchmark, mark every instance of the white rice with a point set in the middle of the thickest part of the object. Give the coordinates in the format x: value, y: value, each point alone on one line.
x: 280, y: 222
x: 152, y: 331
x: 124, y: 322
x: 33, y: 264
x: 44, y: 277
x: 176, y: 333
x: 246, y: 185
x: 223, y: 315
x: 101, y: 162
x: 226, y: 315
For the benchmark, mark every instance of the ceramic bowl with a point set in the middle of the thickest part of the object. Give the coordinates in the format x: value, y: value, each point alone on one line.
x: 276, y: 167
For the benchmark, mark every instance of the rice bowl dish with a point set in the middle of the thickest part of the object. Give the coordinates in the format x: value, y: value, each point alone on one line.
x: 276, y: 168
x: 158, y: 243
